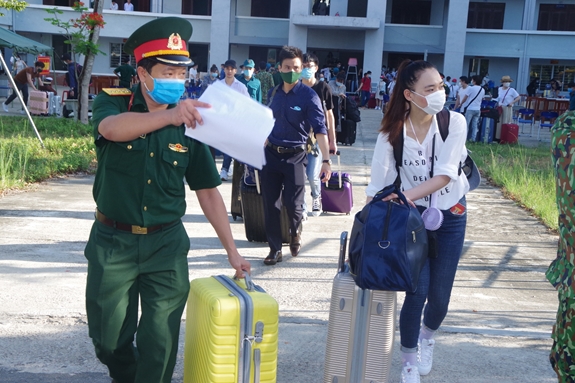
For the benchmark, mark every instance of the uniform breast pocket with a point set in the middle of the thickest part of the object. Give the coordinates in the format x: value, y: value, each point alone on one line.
x: 126, y: 157
x: 174, y: 165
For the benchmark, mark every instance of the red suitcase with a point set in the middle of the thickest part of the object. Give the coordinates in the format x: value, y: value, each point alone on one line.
x: 509, y: 133
x: 371, y: 102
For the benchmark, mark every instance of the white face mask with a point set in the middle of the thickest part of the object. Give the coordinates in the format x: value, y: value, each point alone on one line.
x: 507, y: 84
x: 435, y: 102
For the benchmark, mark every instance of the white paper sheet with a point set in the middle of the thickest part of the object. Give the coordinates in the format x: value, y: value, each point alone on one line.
x: 236, y: 125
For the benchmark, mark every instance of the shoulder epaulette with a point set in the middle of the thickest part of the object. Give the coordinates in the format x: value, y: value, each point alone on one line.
x: 117, y: 91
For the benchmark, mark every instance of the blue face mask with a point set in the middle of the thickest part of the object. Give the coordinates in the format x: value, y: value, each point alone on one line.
x: 321, y: 79
x: 166, y: 90
x: 247, y: 73
x: 306, y: 73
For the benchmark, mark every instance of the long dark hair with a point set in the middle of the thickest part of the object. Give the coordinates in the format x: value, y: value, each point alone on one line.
x: 398, y: 107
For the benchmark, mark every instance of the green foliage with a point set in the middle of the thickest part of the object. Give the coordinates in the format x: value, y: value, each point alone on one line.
x: 14, y: 5
x: 77, y: 30
x: 525, y: 174
x: 69, y: 148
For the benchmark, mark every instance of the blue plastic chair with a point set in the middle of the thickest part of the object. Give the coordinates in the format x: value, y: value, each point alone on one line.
x: 547, y: 120
x: 526, y: 116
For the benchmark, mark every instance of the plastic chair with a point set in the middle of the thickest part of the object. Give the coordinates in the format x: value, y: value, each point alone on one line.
x: 526, y: 116
x: 546, y: 116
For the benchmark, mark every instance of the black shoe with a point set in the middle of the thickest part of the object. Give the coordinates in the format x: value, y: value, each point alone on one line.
x: 295, y: 245
x: 273, y: 258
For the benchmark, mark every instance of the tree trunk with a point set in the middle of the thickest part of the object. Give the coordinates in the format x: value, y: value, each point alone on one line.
x: 83, y: 89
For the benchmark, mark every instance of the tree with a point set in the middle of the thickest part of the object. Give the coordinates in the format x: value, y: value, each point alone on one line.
x: 13, y: 5
x: 82, y: 35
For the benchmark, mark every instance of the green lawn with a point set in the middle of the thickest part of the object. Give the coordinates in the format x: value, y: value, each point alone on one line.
x: 525, y: 175
x: 69, y: 148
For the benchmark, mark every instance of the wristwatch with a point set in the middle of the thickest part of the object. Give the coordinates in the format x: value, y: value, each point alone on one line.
x: 327, y: 162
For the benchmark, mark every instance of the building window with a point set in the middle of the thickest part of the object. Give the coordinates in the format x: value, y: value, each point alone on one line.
x: 411, y: 12
x: 485, y: 15
x: 59, y: 3
x: 278, y: 9
x: 556, y: 17
x: 116, y: 53
x: 562, y: 73
x: 197, y: 7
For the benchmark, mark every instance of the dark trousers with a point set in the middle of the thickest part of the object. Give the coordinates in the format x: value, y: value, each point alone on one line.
x: 22, y: 88
x: 287, y: 171
x: 126, y: 269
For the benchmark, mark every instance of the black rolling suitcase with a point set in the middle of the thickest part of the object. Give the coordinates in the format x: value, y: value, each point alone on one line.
x: 348, y: 132
x: 236, y: 207
x: 349, y: 118
x: 253, y: 209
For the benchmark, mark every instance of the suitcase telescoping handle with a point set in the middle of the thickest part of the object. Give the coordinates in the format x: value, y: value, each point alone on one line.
x: 342, y: 251
x: 338, y: 168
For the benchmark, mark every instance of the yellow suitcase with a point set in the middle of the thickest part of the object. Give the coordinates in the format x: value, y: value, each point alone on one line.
x: 231, y: 332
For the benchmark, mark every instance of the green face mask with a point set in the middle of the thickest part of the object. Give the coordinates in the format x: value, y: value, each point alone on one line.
x: 290, y: 77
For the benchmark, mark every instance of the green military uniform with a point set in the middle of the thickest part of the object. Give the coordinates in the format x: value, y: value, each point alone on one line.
x: 138, y: 247
x: 127, y: 72
x: 254, y: 87
x: 267, y: 82
x: 561, y: 271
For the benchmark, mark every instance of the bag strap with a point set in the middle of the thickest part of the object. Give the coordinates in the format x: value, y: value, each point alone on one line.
x: 443, y: 125
x: 480, y: 88
x: 273, y: 94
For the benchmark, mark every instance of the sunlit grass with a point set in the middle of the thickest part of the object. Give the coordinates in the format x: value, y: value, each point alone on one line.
x: 525, y: 175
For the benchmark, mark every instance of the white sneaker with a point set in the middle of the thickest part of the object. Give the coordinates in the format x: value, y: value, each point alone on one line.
x: 224, y: 175
x: 5, y: 107
x: 409, y: 374
x: 425, y: 355
x: 316, y: 207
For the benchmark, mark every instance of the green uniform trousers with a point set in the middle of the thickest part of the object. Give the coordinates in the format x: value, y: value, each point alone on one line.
x: 124, y: 268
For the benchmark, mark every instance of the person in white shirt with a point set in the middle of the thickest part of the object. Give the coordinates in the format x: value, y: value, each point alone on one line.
x: 17, y: 64
x: 411, y: 114
x: 193, y: 74
x: 128, y: 6
x: 114, y: 6
x: 380, y: 92
x: 453, y: 90
x: 507, y: 97
x: 230, y: 69
x: 471, y: 97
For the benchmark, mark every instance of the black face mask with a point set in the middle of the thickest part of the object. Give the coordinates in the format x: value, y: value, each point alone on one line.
x: 39, y: 70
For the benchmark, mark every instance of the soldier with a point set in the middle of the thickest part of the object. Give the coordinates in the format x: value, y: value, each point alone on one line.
x: 561, y: 271
x: 138, y: 247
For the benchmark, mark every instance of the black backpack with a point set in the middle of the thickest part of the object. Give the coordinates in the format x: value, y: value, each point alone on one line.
x: 443, y: 125
x: 351, y: 110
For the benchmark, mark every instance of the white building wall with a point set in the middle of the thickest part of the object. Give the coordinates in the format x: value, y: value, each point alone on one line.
x: 373, y: 44
x: 231, y: 30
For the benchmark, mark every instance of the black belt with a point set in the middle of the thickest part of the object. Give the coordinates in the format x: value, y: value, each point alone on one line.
x: 282, y: 149
x: 130, y: 228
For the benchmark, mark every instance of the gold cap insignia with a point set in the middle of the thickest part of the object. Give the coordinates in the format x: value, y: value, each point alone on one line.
x: 178, y: 148
x: 175, y: 42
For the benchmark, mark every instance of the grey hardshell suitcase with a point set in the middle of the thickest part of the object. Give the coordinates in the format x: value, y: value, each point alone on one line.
x: 360, y: 331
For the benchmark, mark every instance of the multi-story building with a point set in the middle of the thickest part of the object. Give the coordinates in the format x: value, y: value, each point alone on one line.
x: 520, y: 38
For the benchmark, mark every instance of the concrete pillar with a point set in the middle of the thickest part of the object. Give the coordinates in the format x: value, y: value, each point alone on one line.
x: 338, y: 6
x: 298, y: 34
x: 437, y: 7
x: 373, y: 46
x: 530, y: 14
x: 455, y: 35
x: 220, y: 32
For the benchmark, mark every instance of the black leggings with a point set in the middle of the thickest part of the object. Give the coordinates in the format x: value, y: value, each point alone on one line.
x: 21, y: 87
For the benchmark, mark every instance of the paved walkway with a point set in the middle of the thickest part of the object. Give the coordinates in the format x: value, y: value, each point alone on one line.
x: 497, y: 330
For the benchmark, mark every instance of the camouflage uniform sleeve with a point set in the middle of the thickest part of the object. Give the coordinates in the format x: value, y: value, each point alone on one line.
x: 560, y: 272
